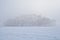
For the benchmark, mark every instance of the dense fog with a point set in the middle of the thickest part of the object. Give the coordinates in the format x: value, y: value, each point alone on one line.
x: 10, y: 9
x: 29, y: 19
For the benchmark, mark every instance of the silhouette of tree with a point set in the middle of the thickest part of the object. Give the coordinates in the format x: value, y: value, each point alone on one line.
x: 29, y: 20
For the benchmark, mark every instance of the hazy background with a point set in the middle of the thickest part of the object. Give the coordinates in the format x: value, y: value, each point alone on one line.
x: 13, y: 8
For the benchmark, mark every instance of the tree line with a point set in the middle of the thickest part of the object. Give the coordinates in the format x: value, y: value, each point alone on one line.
x: 29, y: 20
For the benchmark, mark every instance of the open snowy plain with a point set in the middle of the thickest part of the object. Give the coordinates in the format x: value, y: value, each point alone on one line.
x: 30, y: 33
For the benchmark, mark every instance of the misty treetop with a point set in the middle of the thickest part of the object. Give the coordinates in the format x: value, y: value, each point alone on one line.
x: 29, y: 20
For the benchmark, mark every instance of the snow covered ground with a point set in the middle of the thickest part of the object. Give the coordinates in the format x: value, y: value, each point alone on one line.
x: 29, y: 33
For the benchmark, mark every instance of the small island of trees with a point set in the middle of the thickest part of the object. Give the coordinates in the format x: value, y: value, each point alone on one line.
x: 29, y: 20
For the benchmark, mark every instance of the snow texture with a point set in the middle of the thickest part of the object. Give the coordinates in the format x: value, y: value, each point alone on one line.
x: 29, y: 33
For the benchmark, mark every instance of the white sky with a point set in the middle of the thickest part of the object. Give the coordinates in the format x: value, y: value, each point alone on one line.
x: 12, y: 8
